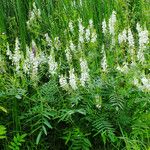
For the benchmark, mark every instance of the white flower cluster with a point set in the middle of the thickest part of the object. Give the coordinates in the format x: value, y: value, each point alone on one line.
x: 27, y: 64
x: 84, y: 71
x: 112, y: 22
x: 122, y: 37
x: 111, y: 25
x: 52, y: 64
x: 143, y: 83
x: 130, y: 38
x: 143, y: 41
x: 35, y: 64
x: 56, y: 43
x: 72, y: 46
x: 87, y: 34
x: 72, y: 79
x: 34, y: 14
x: 104, y: 60
x: 71, y: 28
x: 131, y: 45
x: 124, y: 68
x: 104, y: 27
x: 81, y: 31
x: 68, y: 55
x: 31, y: 62
x: 48, y: 40
x: 8, y: 52
x: 93, y: 31
x: 16, y: 57
x: 63, y: 82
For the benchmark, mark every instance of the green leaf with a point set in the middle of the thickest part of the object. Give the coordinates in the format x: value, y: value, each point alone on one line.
x: 38, y: 137
x: 2, y: 132
x: 47, y: 123
x: 44, y: 129
x: 3, y: 109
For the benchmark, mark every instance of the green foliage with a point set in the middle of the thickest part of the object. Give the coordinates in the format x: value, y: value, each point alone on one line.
x: 77, y: 140
x: 41, y: 112
x: 17, y: 142
x: 2, y: 132
x: 2, y: 128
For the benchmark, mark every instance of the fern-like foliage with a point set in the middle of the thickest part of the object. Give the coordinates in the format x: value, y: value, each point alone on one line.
x: 66, y: 114
x: 76, y: 140
x: 17, y: 142
x: 117, y: 101
x: 104, y: 128
x: 2, y: 132
x: 42, y: 113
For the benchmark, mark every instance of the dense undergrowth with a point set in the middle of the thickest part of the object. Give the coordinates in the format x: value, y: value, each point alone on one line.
x: 74, y: 75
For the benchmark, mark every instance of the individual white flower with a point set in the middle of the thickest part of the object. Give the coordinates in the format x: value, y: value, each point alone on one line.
x: 124, y: 68
x: 31, y: 55
x: 81, y: 31
x: 8, y: 52
x: 35, y: 64
x: 87, y: 34
x: 81, y: 27
x: 84, y: 78
x: 52, y: 64
x: 122, y: 37
x: 140, y: 56
x: 16, y: 56
x: 42, y: 58
x: 143, y: 41
x: 130, y: 38
x: 48, y: 40
x: 84, y: 71
x: 27, y: 62
x: 79, y: 47
x: 104, y: 60
x: 17, y: 44
x: 112, y: 21
x: 72, y: 79
x: 83, y: 65
x: 146, y: 83
x: 26, y: 66
x: 81, y: 3
x: 36, y: 10
x: 104, y: 26
x: 81, y: 38
x: 74, y: 3
x: 56, y: 42
x: 71, y: 26
x: 72, y: 46
x: 68, y: 55
x: 34, y: 60
x: 63, y: 82
x: 93, y: 37
x: 33, y: 15
x: 138, y: 27
x: 136, y: 82
x: 143, y: 38
x: 144, y: 80
x: 91, y: 24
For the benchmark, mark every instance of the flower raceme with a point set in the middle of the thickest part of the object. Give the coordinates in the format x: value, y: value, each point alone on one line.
x: 84, y: 72
x: 72, y: 79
